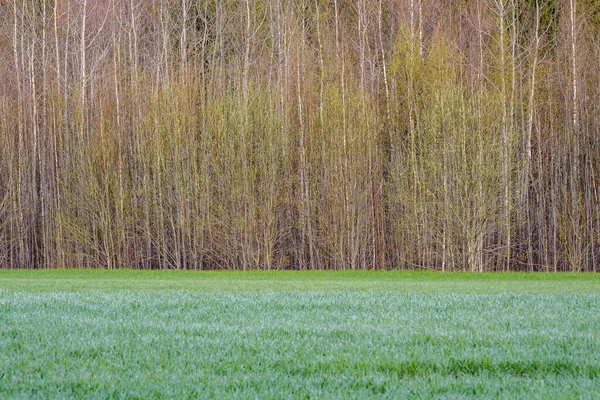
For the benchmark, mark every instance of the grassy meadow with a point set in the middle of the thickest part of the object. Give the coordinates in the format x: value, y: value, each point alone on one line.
x: 170, y: 334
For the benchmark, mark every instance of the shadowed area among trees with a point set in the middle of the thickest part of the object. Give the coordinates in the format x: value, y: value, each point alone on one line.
x: 307, y: 134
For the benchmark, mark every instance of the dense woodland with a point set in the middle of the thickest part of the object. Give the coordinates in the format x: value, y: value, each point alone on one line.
x: 305, y: 134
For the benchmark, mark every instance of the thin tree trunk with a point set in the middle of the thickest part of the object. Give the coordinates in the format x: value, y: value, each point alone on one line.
x: 501, y: 5
x: 20, y: 153
x: 574, y: 176
x: 528, y: 146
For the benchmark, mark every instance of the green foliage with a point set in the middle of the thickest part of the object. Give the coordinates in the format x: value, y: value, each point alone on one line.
x: 549, y: 15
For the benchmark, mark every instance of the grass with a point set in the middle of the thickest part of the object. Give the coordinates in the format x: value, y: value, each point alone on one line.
x: 169, y: 334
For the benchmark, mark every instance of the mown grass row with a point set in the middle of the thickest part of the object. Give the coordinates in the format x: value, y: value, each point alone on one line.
x: 251, y: 281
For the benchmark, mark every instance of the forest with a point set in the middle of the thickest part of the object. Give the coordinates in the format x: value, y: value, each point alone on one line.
x: 300, y: 134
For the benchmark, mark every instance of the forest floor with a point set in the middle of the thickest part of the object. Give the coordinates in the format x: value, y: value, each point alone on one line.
x: 170, y: 334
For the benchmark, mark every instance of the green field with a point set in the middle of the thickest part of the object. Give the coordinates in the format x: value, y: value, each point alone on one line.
x: 168, y: 334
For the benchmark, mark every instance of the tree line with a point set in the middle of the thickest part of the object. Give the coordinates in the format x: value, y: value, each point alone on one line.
x: 300, y: 134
